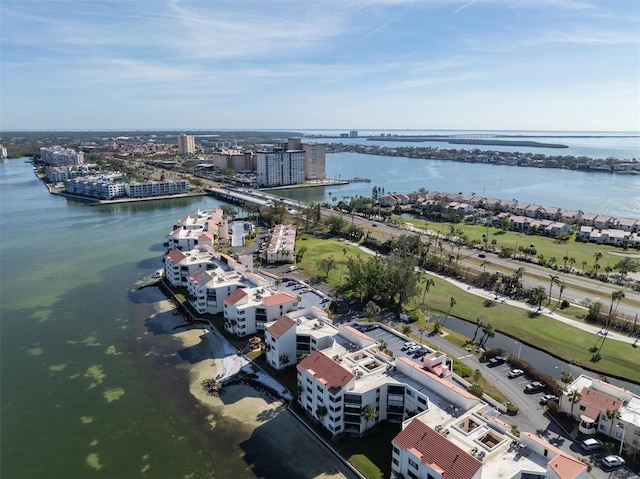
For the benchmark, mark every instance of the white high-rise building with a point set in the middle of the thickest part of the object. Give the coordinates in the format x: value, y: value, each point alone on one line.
x: 279, y: 167
x: 186, y: 144
x: 59, y: 156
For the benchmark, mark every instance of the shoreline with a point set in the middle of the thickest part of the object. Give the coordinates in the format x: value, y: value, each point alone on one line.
x: 265, y: 419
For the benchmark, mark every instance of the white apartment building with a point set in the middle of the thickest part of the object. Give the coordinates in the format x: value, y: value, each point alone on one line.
x: 282, y: 244
x: 178, y: 265
x: 279, y: 167
x: 199, y: 227
x: 156, y: 188
x: 247, y: 310
x: 102, y: 188
x: 59, y: 156
x: 296, y: 334
x: 447, y: 432
x: 602, y: 408
x: 186, y: 144
x: 208, y: 289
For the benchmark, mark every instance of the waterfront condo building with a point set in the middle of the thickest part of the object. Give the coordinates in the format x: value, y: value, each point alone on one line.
x: 247, y: 310
x: 280, y: 167
x: 186, y: 144
x: 59, y: 156
x: 199, y: 227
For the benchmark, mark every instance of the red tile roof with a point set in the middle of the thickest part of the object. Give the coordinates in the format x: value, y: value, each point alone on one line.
x: 278, y: 298
x: 281, y: 326
x: 200, y: 276
x: 327, y: 371
x: 175, y: 256
x: 599, y: 400
x: 565, y: 466
x: 234, y: 297
x: 435, y: 450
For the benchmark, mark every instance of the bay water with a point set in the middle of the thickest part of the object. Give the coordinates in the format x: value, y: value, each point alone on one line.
x: 86, y: 388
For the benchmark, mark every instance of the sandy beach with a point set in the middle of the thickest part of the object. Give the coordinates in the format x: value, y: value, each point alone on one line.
x: 265, y: 420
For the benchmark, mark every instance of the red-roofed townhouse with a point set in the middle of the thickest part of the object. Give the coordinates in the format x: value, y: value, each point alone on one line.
x: 248, y: 313
x: 322, y: 383
x: 421, y: 452
x: 280, y: 342
x: 297, y: 334
x: 178, y: 265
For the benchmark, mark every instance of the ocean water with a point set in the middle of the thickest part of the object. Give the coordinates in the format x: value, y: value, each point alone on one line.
x: 86, y: 389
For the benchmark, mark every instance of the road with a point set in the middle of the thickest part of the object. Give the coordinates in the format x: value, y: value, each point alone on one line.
x: 578, y: 288
x: 531, y: 416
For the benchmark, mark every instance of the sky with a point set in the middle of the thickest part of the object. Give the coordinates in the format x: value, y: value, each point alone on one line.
x: 568, y: 65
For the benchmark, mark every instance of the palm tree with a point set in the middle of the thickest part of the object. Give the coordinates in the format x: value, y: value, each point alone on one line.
x: 555, y: 279
x: 572, y: 261
x: 452, y: 303
x: 422, y: 330
x: 476, y: 376
x: 574, y: 398
x: 344, y: 253
x: 369, y: 414
x: 584, y: 266
x: 597, y: 256
x: 427, y: 286
x: 479, y: 324
x: 612, y: 414
x: 562, y: 287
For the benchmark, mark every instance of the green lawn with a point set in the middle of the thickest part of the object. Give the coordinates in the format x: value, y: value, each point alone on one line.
x: 619, y: 359
x: 371, y: 454
x: 557, y: 338
x: 318, y: 248
x: 549, y: 247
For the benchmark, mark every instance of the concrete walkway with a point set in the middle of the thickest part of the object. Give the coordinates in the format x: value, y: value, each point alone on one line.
x: 545, y: 312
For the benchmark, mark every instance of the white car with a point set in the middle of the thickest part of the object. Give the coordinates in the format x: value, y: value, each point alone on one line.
x: 612, y: 461
x: 407, y: 345
x: 515, y: 373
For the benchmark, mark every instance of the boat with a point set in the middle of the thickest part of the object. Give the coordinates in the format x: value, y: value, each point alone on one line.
x: 159, y: 273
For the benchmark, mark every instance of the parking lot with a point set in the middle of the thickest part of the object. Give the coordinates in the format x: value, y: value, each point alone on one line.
x: 308, y: 295
x: 532, y: 415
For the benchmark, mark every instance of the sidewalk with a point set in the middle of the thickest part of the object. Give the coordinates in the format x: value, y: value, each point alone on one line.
x: 548, y: 313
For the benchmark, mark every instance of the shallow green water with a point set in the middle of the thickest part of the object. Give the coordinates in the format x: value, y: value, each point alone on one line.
x: 86, y: 389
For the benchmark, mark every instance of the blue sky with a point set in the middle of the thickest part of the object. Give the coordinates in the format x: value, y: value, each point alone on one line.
x: 317, y: 64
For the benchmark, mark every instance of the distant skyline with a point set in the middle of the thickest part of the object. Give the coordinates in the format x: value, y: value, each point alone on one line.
x: 320, y: 64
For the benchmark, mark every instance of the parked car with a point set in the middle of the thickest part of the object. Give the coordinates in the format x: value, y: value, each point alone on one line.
x: 533, y: 387
x: 290, y: 269
x: 547, y: 398
x: 591, y: 444
x: 496, y: 361
x: 612, y: 461
x: 407, y: 345
x: 515, y: 373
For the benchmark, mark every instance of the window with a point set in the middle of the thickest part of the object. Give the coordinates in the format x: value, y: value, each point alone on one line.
x: 582, y: 407
x: 396, y: 450
x: 602, y: 428
x: 396, y: 462
x: 413, y: 463
x: 603, y: 417
x: 422, y: 400
x: 410, y: 393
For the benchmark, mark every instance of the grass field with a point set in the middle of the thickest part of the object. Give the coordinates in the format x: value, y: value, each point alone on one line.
x: 549, y: 247
x: 619, y: 359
